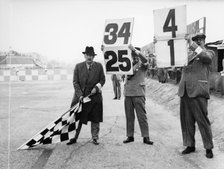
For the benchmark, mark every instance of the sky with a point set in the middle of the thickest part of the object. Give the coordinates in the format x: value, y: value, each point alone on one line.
x: 61, y: 29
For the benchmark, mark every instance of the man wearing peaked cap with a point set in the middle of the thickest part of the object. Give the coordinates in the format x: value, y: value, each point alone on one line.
x: 198, y: 36
x: 88, y: 79
x: 194, y: 94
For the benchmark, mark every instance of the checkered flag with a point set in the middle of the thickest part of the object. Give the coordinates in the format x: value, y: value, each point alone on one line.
x: 61, y: 129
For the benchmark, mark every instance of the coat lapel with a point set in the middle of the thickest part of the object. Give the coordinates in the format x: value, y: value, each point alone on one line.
x: 84, y: 73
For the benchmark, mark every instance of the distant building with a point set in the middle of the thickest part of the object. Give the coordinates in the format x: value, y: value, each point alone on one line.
x: 218, y: 48
x: 15, y: 59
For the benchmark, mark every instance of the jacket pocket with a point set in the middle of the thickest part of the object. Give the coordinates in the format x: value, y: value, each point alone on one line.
x: 203, y: 85
x: 142, y: 87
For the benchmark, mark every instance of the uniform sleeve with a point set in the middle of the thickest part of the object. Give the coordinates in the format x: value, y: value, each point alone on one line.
x: 206, y: 56
x: 145, y: 66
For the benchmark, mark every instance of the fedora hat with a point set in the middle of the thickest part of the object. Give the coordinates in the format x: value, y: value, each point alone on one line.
x: 198, y: 35
x: 89, y: 51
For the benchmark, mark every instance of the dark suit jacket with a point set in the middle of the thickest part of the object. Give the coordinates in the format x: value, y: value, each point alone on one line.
x: 194, y: 77
x: 84, y: 81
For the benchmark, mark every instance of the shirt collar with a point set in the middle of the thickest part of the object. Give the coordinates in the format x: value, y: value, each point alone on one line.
x: 87, y: 65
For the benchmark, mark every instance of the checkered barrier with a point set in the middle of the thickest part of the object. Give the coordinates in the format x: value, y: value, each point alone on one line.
x: 35, y: 74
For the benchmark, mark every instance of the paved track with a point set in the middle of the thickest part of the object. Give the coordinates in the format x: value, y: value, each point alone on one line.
x: 32, y: 106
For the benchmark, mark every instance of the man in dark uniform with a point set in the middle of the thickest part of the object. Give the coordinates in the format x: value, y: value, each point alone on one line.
x: 134, y: 92
x: 194, y: 95
x: 88, y: 79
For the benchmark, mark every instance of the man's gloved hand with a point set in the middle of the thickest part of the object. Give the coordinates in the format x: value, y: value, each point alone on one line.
x: 193, y: 46
x: 81, y: 98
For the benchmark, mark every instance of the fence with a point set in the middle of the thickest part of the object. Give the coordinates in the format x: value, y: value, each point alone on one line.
x: 15, y: 74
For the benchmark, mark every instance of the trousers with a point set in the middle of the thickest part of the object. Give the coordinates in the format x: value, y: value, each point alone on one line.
x: 136, y: 104
x: 117, y: 88
x: 95, y: 128
x: 194, y: 110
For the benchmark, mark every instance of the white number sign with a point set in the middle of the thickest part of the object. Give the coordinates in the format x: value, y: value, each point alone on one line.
x: 117, y: 37
x: 117, y: 60
x: 170, y: 29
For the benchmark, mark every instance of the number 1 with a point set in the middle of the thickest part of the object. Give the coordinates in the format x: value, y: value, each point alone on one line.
x: 171, y: 44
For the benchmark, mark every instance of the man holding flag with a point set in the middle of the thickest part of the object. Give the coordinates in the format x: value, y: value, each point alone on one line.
x: 88, y: 80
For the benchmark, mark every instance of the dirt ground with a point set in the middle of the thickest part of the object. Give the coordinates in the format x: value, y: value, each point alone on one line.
x: 31, y: 106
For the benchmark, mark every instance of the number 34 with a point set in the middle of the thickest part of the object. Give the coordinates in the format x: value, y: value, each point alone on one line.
x: 112, y: 29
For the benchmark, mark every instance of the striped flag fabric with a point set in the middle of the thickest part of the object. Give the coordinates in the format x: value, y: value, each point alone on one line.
x: 61, y: 129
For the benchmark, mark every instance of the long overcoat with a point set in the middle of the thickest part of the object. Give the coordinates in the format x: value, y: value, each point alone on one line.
x: 84, y: 81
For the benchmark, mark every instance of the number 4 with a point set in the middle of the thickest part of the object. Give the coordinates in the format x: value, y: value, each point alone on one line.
x: 173, y: 27
x: 125, y: 32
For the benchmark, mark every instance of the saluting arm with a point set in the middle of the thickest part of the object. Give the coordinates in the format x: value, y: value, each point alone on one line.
x: 139, y: 53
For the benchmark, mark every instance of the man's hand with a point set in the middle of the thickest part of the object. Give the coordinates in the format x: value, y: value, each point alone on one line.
x: 80, y: 98
x: 187, y: 37
x: 131, y: 47
x: 193, y: 46
x: 102, y: 48
x: 93, y: 91
x: 154, y: 40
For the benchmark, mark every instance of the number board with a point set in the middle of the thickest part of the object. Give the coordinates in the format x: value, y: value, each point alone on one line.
x: 118, y: 32
x: 117, y: 60
x: 117, y: 37
x: 170, y: 30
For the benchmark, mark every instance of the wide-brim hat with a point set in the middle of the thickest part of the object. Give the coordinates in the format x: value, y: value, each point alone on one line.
x: 198, y: 35
x: 89, y: 51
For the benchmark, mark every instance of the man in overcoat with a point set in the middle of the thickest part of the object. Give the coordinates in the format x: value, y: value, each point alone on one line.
x: 88, y: 80
x: 194, y: 95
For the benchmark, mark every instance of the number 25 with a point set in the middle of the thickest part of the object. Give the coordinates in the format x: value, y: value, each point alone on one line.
x: 119, y: 58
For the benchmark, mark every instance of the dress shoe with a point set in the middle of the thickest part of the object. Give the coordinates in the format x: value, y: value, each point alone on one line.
x: 188, y: 150
x: 115, y: 98
x: 128, y: 140
x: 146, y: 140
x: 95, y: 142
x: 209, y: 153
x: 72, y: 141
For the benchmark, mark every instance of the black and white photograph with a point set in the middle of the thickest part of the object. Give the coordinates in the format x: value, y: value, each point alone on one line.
x: 111, y: 84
